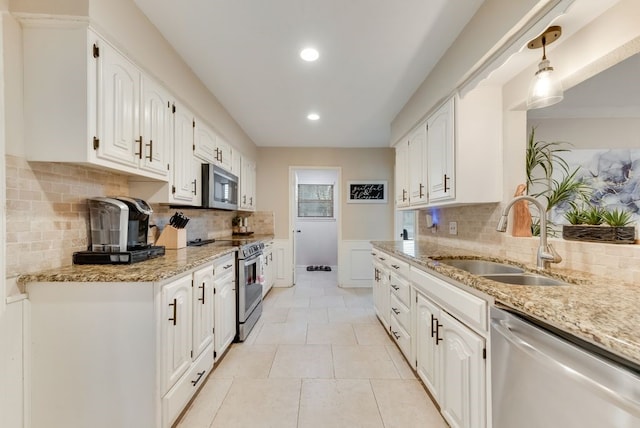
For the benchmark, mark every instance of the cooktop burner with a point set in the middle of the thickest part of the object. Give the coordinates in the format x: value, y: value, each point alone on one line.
x: 200, y: 242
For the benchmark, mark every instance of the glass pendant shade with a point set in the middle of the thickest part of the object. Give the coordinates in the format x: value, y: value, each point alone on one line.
x: 545, y: 88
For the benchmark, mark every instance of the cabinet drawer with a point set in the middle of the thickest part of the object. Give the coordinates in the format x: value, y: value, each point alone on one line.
x: 400, y: 288
x: 402, y: 338
x: 176, y: 399
x: 398, y: 266
x: 224, y: 265
x: 464, y: 306
x: 400, y: 312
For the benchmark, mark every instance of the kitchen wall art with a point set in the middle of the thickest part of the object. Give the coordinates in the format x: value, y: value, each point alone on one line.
x: 367, y: 191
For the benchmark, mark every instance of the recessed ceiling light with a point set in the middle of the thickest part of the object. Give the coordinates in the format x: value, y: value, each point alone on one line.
x: 313, y: 116
x: 309, y: 54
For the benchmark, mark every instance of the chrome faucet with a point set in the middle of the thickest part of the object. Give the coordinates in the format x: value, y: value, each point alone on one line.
x: 546, y: 253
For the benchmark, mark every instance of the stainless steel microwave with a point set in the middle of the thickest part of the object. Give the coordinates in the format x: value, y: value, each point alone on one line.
x: 219, y: 188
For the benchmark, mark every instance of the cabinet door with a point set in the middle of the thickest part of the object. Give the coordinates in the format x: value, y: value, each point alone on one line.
x: 157, y: 129
x: 202, y: 309
x: 224, y: 154
x: 225, y: 312
x: 463, y: 398
x: 418, y: 166
x: 184, y: 180
x: 440, y: 153
x: 427, y: 352
x: 205, y: 143
x: 118, y: 106
x: 176, y: 330
x: 402, y: 175
x: 248, y: 185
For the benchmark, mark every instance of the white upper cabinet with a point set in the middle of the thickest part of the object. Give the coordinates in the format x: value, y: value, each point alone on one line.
x: 205, y: 142
x: 247, y: 185
x: 402, y: 175
x: 86, y: 100
x: 440, y: 153
x: 154, y: 152
x: 224, y: 154
x: 186, y: 173
x: 418, y: 166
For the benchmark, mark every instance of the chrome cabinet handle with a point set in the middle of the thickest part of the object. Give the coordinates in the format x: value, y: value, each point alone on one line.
x: 175, y: 311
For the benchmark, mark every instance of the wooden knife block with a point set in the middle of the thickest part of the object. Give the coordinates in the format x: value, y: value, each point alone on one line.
x: 172, y: 238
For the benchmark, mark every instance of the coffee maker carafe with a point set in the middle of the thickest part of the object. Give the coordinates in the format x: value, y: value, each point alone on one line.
x: 118, y: 224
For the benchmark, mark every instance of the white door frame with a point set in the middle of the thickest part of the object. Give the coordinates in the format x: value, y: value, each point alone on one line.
x: 292, y: 211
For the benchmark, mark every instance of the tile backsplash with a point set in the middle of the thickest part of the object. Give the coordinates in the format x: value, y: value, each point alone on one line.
x: 48, y: 218
x: 476, y: 226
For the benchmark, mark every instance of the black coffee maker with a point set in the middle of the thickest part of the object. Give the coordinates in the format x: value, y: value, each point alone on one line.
x: 119, y: 228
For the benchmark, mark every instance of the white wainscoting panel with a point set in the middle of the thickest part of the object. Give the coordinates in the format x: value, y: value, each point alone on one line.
x: 355, y: 264
x: 12, y: 364
x: 282, y: 256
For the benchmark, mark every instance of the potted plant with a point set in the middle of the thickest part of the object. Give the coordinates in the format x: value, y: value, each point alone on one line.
x: 235, y: 224
x: 587, y: 225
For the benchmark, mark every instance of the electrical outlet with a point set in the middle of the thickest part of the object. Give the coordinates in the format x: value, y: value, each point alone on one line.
x: 453, y: 228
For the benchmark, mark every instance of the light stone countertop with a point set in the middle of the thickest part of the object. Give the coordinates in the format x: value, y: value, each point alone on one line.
x: 596, y: 309
x: 173, y: 263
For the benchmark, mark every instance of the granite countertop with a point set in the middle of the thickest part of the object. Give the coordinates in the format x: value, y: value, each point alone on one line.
x: 596, y: 309
x: 173, y: 263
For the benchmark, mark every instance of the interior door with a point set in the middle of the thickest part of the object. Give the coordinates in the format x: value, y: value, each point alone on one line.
x: 292, y: 221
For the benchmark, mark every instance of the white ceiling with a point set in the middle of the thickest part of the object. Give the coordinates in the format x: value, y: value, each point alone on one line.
x: 373, y: 55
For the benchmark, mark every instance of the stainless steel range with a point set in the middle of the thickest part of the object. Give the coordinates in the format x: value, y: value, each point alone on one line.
x: 249, y: 290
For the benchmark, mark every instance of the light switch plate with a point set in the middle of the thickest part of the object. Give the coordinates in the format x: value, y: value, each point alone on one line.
x: 453, y: 228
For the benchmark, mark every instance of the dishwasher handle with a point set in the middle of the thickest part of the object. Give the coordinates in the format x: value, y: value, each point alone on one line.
x: 536, y: 350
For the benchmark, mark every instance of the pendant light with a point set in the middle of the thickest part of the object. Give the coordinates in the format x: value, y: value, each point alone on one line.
x: 545, y: 88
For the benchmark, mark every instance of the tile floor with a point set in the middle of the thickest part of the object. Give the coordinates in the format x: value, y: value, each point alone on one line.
x: 318, y: 357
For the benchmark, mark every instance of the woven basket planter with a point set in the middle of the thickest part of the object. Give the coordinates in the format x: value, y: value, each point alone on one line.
x: 606, y: 234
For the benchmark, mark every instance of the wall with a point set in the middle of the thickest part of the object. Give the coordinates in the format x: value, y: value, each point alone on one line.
x: 359, y: 221
x: 317, y: 242
x: 591, y: 133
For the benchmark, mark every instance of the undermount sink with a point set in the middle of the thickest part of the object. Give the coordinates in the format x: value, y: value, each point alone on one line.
x: 525, y: 279
x: 501, y: 272
x: 481, y: 267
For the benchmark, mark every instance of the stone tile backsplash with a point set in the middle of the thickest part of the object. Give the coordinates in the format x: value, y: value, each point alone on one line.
x: 477, y: 232
x: 48, y: 218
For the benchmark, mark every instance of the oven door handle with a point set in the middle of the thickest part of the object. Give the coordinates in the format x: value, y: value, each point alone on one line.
x: 251, y: 260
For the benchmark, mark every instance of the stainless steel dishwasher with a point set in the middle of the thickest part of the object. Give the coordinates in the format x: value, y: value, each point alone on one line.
x: 539, y: 379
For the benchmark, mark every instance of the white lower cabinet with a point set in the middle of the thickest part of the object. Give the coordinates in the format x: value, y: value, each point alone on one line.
x: 381, y: 293
x: 451, y: 361
x: 127, y: 354
x: 224, y: 281
x: 268, y: 268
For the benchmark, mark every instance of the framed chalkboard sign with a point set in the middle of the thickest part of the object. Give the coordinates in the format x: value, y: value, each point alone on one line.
x: 367, y: 192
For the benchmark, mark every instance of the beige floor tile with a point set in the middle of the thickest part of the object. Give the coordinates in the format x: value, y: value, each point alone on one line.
x: 206, y: 405
x: 282, y: 333
x: 358, y: 300
x: 338, y: 404
x: 371, y: 334
x: 405, y: 404
x: 331, y: 334
x: 406, y: 372
x: 327, y: 302
x: 353, y: 316
x: 301, y: 291
x: 246, y: 361
x: 268, y: 403
x: 291, y: 302
x: 363, y: 362
x: 308, y: 315
x: 273, y: 314
x: 302, y: 361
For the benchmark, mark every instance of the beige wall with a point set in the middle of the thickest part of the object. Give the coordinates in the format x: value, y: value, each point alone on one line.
x: 359, y: 221
x: 591, y: 133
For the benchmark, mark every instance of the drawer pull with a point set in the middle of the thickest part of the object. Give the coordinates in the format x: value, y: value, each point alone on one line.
x: 432, y: 329
x: 382, y: 258
x: 201, y: 299
x: 395, y: 287
x: 395, y: 334
x: 395, y: 266
x: 438, y: 338
x: 395, y: 311
x: 195, y: 382
x: 227, y: 266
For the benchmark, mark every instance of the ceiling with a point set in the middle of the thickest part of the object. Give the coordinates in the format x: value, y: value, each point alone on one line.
x: 373, y: 56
